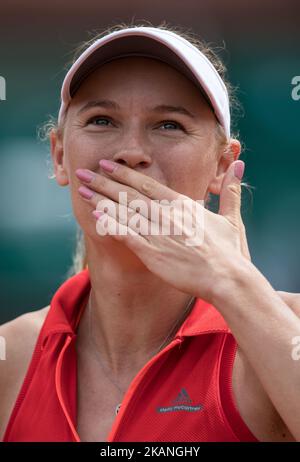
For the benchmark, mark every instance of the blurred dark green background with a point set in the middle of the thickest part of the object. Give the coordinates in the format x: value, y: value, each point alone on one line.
x: 262, y: 52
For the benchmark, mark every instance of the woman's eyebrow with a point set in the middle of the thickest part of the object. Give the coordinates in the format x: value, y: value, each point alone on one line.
x: 106, y: 103
x: 168, y: 108
x: 109, y: 104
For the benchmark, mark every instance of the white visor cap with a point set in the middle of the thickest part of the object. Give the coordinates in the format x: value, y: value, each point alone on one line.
x: 158, y: 44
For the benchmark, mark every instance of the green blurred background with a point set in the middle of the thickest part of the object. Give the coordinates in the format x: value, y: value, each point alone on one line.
x: 262, y: 47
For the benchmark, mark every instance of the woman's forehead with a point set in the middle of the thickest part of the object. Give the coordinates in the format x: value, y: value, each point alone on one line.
x: 139, y: 65
x: 139, y: 77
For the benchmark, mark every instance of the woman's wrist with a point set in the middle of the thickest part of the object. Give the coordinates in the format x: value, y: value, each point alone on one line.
x: 236, y: 280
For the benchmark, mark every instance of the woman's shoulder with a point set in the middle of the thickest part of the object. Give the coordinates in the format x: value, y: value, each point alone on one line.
x: 22, y: 331
x: 18, y: 339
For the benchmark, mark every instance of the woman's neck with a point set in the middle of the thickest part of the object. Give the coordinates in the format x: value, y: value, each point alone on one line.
x: 131, y: 310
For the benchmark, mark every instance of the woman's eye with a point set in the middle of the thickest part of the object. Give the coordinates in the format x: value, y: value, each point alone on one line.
x: 104, y: 121
x: 171, y: 125
x: 96, y: 120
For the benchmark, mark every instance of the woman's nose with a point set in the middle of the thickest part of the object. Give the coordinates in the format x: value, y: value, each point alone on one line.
x: 133, y: 158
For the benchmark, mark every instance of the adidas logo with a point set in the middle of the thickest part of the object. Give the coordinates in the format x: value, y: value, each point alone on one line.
x: 182, y: 397
x: 182, y: 402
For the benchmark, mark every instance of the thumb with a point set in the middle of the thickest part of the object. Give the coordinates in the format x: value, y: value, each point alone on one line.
x: 230, y: 194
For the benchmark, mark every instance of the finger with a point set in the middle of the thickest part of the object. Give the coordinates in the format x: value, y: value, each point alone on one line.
x: 96, y: 200
x: 123, y: 214
x: 106, y: 194
x: 126, y: 216
x: 146, y: 185
x: 230, y: 195
x: 230, y: 203
x: 100, y: 185
x: 107, y: 225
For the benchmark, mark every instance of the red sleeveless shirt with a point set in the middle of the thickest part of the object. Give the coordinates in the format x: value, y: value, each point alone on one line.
x: 182, y: 394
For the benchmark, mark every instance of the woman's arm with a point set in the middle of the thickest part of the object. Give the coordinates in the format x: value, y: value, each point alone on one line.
x: 292, y: 300
x: 264, y: 326
x: 20, y: 336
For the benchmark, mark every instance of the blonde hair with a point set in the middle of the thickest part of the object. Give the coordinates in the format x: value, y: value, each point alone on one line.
x: 79, y: 260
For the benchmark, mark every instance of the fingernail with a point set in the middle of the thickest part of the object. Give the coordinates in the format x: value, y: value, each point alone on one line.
x: 239, y: 168
x: 97, y: 214
x: 86, y: 192
x: 84, y: 175
x: 108, y: 165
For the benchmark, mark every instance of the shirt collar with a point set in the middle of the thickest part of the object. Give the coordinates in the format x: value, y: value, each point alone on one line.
x: 71, y: 297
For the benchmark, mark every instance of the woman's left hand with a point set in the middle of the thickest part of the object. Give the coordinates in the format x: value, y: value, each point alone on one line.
x: 192, y: 263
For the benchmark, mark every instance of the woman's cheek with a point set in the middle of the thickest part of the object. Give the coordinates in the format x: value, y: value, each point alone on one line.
x: 186, y: 173
x: 82, y: 153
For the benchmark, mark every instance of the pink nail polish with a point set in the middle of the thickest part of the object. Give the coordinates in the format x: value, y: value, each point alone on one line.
x: 86, y: 192
x: 97, y: 214
x: 239, y: 168
x: 108, y: 165
x: 84, y: 175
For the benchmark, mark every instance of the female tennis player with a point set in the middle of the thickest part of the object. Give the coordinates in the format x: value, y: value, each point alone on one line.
x: 168, y: 332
